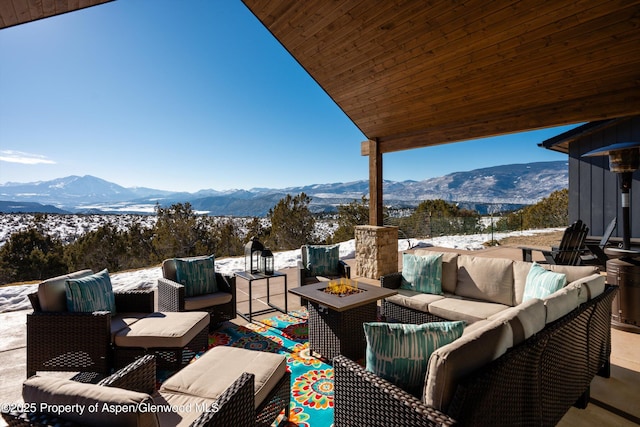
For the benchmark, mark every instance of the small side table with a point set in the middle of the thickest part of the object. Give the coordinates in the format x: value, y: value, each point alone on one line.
x: 249, y: 277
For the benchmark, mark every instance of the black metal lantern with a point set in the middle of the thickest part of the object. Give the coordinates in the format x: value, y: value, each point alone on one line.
x: 252, y: 253
x: 266, y: 262
x: 624, y: 159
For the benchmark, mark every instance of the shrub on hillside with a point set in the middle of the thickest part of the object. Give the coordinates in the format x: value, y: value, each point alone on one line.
x: 437, y: 218
x: 552, y: 211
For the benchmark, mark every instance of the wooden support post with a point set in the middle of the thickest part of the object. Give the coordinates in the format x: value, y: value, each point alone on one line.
x: 375, y: 183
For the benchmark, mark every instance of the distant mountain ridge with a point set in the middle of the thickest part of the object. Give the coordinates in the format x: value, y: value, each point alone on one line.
x: 504, y: 187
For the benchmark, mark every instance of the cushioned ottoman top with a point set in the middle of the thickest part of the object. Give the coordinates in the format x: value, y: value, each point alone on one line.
x: 210, y: 375
x: 163, y: 330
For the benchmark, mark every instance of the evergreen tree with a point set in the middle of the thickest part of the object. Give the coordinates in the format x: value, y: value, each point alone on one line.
x: 179, y: 232
x: 552, y: 211
x: 105, y: 247
x: 350, y: 215
x: 228, y: 240
x: 292, y: 223
x: 31, y: 255
x: 255, y: 228
x: 438, y: 218
x: 139, y: 249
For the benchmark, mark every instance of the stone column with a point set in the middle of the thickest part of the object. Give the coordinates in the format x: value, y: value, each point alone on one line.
x: 376, y: 251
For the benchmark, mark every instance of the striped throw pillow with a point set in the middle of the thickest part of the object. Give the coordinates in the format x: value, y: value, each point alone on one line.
x: 399, y: 352
x: 422, y: 273
x: 90, y: 293
x: 541, y: 282
x: 198, y: 275
x: 322, y: 260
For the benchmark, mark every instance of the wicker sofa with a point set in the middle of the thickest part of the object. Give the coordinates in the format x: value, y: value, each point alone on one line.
x: 515, y: 364
x: 226, y: 386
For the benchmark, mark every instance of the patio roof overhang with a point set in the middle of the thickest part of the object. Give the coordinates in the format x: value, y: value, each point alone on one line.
x: 16, y: 12
x: 414, y: 74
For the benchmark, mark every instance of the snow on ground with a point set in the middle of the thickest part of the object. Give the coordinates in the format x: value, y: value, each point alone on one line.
x: 13, y: 298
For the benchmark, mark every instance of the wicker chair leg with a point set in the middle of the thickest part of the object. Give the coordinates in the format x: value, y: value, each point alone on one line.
x: 583, y: 400
x: 605, y: 370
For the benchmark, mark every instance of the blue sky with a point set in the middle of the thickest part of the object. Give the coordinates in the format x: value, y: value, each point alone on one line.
x: 184, y: 96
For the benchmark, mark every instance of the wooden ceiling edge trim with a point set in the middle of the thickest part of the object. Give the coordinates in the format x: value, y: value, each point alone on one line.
x: 417, y: 139
x: 45, y: 15
x: 407, y: 142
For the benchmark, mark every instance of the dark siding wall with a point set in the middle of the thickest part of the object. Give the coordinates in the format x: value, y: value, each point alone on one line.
x: 594, y: 191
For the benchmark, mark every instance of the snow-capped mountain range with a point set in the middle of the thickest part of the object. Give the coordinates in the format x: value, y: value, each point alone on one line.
x: 508, y: 187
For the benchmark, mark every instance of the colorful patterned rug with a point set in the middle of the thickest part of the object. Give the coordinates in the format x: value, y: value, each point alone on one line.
x: 312, y: 379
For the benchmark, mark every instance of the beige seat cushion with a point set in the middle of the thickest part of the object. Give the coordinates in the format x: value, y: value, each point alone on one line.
x: 413, y: 299
x: 561, y: 302
x: 59, y: 391
x: 525, y: 319
x: 218, y: 368
x: 185, y: 409
x: 590, y: 286
x: 449, y: 268
x: 120, y: 321
x: 452, y: 362
x: 208, y: 300
x: 51, y: 292
x: 464, y: 309
x: 486, y: 279
x: 163, y: 330
x: 475, y: 325
x: 573, y: 273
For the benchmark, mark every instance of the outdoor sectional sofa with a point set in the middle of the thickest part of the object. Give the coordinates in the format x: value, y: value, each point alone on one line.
x: 516, y: 363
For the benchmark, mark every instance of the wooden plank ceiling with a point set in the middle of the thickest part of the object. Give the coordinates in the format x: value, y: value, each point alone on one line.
x: 15, y: 12
x: 418, y: 73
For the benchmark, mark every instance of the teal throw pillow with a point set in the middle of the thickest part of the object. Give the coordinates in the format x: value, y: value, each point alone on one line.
x: 542, y: 282
x: 400, y: 353
x: 90, y: 293
x: 322, y: 260
x: 422, y: 273
x: 197, y: 275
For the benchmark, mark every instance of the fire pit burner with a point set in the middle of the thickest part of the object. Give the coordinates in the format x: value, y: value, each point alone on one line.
x: 343, y: 288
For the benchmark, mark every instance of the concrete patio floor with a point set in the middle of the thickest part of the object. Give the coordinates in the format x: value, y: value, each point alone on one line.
x: 614, y: 400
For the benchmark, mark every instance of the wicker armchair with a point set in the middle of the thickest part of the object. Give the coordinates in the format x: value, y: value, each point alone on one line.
x: 58, y: 340
x: 221, y: 305
x: 235, y: 406
x: 306, y: 276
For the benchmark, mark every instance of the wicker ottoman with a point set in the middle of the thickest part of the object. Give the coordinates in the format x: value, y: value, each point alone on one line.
x: 212, y: 373
x: 173, y: 337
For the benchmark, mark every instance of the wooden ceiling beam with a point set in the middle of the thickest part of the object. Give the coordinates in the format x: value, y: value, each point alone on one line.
x: 625, y: 103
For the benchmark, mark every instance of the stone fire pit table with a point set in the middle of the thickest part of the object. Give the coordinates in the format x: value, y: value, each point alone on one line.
x: 335, y: 322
